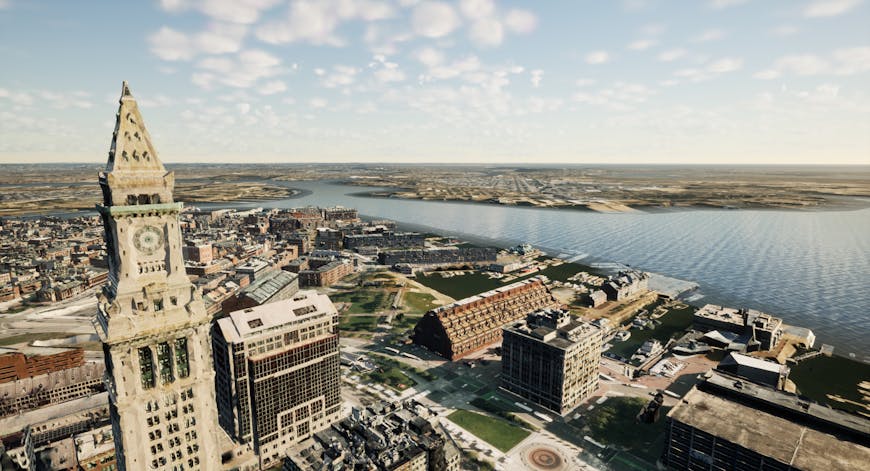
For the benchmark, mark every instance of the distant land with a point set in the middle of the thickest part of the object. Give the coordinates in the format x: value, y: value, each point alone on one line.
x: 40, y: 188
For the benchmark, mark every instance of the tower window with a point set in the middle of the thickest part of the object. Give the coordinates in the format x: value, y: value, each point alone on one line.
x: 181, y: 361
x: 146, y: 367
x: 164, y: 360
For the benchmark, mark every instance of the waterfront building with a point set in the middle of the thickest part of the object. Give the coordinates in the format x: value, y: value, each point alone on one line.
x: 763, y: 331
x: 625, y: 284
x: 728, y: 423
x: 440, y: 256
x: 278, y: 372
x: 755, y: 369
x: 151, y: 319
x: 463, y: 327
x: 381, y: 437
x: 384, y: 240
x: 551, y: 358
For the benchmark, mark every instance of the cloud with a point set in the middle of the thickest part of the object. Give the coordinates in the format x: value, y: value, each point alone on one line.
x: 671, y: 55
x: 487, y: 32
x: 429, y: 57
x: 849, y: 61
x: 728, y: 64
x: 710, y: 71
x: 709, y: 35
x: 220, y: 38
x: 317, y: 103
x: 784, y: 30
x: 520, y: 21
x: 434, y: 19
x: 641, y: 44
x: 718, y: 4
x: 536, y: 76
x: 477, y: 9
x: 621, y: 96
x: 242, y: 71
x: 231, y: 11
x: 826, y: 8
x: 341, y: 76
x: 316, y: 21
x: 273, y: 87
x: 4, y: 4
x: 389, y: 74
x: 597, y: 57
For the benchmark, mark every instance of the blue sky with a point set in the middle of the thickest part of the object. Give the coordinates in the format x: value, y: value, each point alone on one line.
x: 634, y: 81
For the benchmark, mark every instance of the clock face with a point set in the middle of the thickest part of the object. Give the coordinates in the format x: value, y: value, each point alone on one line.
x: 148, y: 239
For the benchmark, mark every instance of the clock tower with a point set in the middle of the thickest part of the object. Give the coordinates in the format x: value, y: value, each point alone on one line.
x: 151, y: 319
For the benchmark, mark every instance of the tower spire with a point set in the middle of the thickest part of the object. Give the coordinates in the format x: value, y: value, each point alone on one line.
x: 131, y: 148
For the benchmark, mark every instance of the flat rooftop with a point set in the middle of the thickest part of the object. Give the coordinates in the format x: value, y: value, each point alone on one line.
x: 764, y: 429
x: 248, y: 323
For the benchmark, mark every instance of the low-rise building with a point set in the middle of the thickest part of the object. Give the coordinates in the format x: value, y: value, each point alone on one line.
x: 625, y: 284
x: 463, y: 327
x: 380, y: 437
x: 326, y: 275
x: 764, y: 331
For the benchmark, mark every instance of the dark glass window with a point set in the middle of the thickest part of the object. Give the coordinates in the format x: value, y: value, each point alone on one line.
x: 181, y: 363
x: 164, y: 361
x: 146, y: 367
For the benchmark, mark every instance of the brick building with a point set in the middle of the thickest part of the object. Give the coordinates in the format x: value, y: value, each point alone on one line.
x: 468, y: 325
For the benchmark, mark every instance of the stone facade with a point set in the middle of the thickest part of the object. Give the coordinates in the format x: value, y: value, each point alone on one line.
x: 151, y: 319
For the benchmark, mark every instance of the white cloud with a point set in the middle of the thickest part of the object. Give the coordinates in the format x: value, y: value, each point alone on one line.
x: 784, y: 30
x: 642, y: 44
x: 597, y: 57
x: 244, y: 108
x: 806, y: 64
x: 726, y: 3
x: 389, y: 74
x: 671, y: 55
x: 219, y: 38
x: 429, y: 57
x: 231, y: 11
x: 520, y: 21
x: 242, y: 71
x: 317, y: 103
x: 316, y: 21
x: 536, y: 76
x: 487, y: 32
x: 621, y: 96
x: 477, y: 9
x: 273, y: 87
x: 4, y: 4
x: 709, y: 35
x: 826, y: 8
x: 712, y: 70
x: 171, y: 45
x: 728, y: 64
x: 434, y: 19
x: 341, y: 76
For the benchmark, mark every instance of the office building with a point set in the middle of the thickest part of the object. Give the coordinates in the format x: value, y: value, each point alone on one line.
x: 278, y: 372
x: 551, y: 358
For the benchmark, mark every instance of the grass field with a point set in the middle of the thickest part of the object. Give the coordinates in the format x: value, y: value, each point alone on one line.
x: 418, y: 302
x: 27, y: 338
x: 459, y: 287
x: 405, y: 323
x: 364, y: 301
x: 673, y: 323
x: 835, y: 375
x: 496, y: 432
x: 390, y: 373
x: 358, y: 323
x: 613, y: 423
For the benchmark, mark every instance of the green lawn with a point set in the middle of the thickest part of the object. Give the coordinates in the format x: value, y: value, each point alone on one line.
x: 406, y: 322
x: 613, y: 423
x: 357, y: 323
x: 27, y: 338
x: 418, y: 302
x: 835, y: 375
x: 459, y: 287
x: 389, y: 372
x: 674, y: 323
x: 496, y: 432
x: 363, y: 301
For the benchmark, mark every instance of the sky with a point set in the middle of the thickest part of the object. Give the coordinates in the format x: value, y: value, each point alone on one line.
x: 409, y: 81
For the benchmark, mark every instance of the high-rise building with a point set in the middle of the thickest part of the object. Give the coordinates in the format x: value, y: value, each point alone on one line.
x: 151, y: 319
x: 277, y: 371
x: 551, y: 359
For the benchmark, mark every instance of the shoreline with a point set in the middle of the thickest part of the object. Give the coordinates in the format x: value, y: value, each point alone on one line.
x: 843, y: 203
